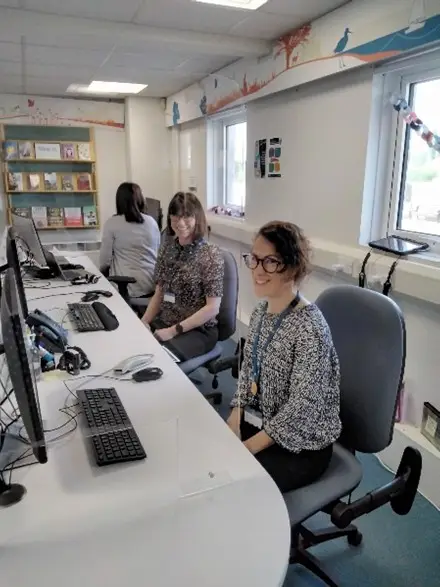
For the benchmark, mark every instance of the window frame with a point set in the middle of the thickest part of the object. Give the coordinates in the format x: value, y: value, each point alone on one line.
x: 217, y: 157
x: 393, y: 141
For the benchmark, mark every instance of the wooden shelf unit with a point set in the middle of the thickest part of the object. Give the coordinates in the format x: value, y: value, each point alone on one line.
x: 17, y: 171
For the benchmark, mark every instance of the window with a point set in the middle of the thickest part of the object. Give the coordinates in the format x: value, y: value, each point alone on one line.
x: 412, y: 184
x: 227, y: 142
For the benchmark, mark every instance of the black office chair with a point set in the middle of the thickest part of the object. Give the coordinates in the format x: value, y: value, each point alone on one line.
x: 154, y: 209
x: 368, y: 331
x: 227, y: 322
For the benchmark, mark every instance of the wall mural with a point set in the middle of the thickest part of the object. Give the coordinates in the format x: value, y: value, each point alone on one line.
x: 51, y: 111
x: 352, y: 36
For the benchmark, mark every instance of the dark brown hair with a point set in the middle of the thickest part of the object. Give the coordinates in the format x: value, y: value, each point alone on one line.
x: 187, y: 204
x: 130, y: 202
x: 291, y: 245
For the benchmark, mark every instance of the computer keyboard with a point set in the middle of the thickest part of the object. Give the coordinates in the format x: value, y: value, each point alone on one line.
x: 112, y: 435
x: 92, y: 317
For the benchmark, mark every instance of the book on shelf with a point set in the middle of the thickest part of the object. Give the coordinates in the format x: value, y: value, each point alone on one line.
x: 72, y: 216
x: 67, y: 183
x: 24, y: 212
x: 55, y: 217
x: 50, y: 181
x: 89, y: 216
x: 26, y: 150
x: 68, y: 151
x: 33, y: 182
x: 39, y: 216
x: 84, y: 152
x: 15, y: 181
x: 84, y: 182
x: 10, y: 150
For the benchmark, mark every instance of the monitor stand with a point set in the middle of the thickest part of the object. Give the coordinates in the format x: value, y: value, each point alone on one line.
x: 11, y: 494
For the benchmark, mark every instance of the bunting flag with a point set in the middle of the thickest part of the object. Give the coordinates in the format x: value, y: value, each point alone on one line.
x: 413, y: 121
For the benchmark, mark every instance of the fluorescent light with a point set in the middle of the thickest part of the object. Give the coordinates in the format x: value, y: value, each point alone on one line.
x: 116, y: 88
x: 244, y: 4
x: 107, y: 88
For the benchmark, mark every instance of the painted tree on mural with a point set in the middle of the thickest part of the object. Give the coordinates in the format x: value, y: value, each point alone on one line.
x: 288, y: 43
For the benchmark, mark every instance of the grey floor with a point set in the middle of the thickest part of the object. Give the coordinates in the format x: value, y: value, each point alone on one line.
x: 396, y: 551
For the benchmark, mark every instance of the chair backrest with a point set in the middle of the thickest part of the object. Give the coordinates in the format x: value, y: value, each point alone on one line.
x: 368, y: 331
x: 154, y: 210
x: 227, y: 316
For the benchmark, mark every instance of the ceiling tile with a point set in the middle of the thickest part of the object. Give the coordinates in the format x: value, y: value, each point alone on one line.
x: 10, y: 3
x: 10, y: 51
x: 115, y: 10
x: 264, y: 26
x: 188, y: 15
x: 79, y: 41
x: 203, y: 65
x: 73, y: 73
x: 303, y: 10
x: 9, y: 68
x: 64, y: 56
x: 150, y: 59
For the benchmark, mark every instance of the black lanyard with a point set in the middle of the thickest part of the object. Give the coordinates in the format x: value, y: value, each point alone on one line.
x: 256, y: 365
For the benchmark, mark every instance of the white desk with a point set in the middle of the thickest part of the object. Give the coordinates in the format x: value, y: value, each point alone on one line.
x: 198, y: 512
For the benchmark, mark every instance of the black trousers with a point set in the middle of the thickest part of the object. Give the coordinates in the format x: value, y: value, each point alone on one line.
x: 191, y: 344
x: 290, y: 470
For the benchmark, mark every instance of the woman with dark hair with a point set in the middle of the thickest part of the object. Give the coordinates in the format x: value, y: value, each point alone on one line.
x: 286, y: 407
x: 130, y: 241
x: 189, y: 282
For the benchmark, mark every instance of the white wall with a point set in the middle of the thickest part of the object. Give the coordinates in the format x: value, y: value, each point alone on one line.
x: 148, y: 147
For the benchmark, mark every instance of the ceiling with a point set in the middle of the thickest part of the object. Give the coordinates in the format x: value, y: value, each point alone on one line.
x: 46, y: 45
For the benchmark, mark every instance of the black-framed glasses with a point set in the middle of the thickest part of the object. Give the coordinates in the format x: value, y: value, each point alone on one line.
x: 270, y: 264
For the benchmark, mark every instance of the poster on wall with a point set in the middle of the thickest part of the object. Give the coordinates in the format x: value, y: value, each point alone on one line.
x: 274, y: 158
x: 260, y: 158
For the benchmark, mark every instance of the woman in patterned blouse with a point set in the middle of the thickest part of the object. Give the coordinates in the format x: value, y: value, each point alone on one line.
x: 286, y: 407
x: 189, y: 282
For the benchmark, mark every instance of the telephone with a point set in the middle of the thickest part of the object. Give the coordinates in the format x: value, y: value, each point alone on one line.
x: 51, y: 334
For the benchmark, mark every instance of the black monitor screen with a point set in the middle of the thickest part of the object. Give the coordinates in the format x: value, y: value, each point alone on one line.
x: 14, y: 264
x: 20, y: 365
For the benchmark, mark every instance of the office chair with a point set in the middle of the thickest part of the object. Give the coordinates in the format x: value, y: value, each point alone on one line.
x: 227, y: 321
x: 154, y: 209
x: 368, y: 331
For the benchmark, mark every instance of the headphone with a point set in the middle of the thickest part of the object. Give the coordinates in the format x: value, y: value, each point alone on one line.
x: 73, y: 360
x: 362, y: 272
x: 85, y: 279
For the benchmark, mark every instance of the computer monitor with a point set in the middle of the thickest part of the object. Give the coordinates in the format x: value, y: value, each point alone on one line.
x: 27, y: 232
x: 14, y: 263
x: 17, y: 351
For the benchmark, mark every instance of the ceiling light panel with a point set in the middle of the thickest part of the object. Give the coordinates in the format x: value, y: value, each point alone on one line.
x: 243, y: 4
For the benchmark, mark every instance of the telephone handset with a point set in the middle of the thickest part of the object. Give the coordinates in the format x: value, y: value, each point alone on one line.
x: 52, y: 335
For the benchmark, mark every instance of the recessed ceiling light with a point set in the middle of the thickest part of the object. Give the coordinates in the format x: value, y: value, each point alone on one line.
x: 107, y: 88
x: 244, y: 4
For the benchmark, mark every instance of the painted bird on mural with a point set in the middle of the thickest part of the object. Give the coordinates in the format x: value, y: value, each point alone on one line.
x: 340, y: 47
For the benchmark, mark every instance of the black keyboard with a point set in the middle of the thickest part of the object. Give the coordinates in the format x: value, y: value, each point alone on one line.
x: 111, y: 432
x: 92, y: 317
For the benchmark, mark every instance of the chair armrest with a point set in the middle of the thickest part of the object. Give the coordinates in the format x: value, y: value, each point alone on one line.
x: 121, y: 279
x: 224, y: 364
x: 400, y: 492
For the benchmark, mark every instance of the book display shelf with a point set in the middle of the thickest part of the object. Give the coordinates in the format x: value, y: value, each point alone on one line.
x: 50, y: 175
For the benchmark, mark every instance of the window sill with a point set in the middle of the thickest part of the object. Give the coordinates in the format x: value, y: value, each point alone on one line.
x: 418, y: 278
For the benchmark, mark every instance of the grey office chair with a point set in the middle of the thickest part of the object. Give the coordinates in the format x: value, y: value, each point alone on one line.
x: 227, y: 321
x: 368, y: 331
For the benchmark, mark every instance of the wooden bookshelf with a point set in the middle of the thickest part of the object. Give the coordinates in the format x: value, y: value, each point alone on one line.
x: 38, y: 163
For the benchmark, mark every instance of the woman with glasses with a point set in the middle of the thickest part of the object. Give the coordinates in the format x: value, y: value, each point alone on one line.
x: 189, y: 282
x: 286, y: 407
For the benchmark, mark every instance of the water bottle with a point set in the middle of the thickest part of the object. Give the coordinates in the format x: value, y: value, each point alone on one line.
x: 36, y: 357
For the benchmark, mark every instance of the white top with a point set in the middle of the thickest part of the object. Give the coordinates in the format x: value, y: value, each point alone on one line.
x: 199, y: 511
x: 130, y: 249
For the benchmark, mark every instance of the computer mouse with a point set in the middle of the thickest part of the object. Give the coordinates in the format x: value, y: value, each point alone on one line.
x: 133, y: 364
x: 148, y: 374
x: 90, y: 296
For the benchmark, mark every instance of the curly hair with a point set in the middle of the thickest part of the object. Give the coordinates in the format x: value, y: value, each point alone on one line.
x: 291, y: 245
